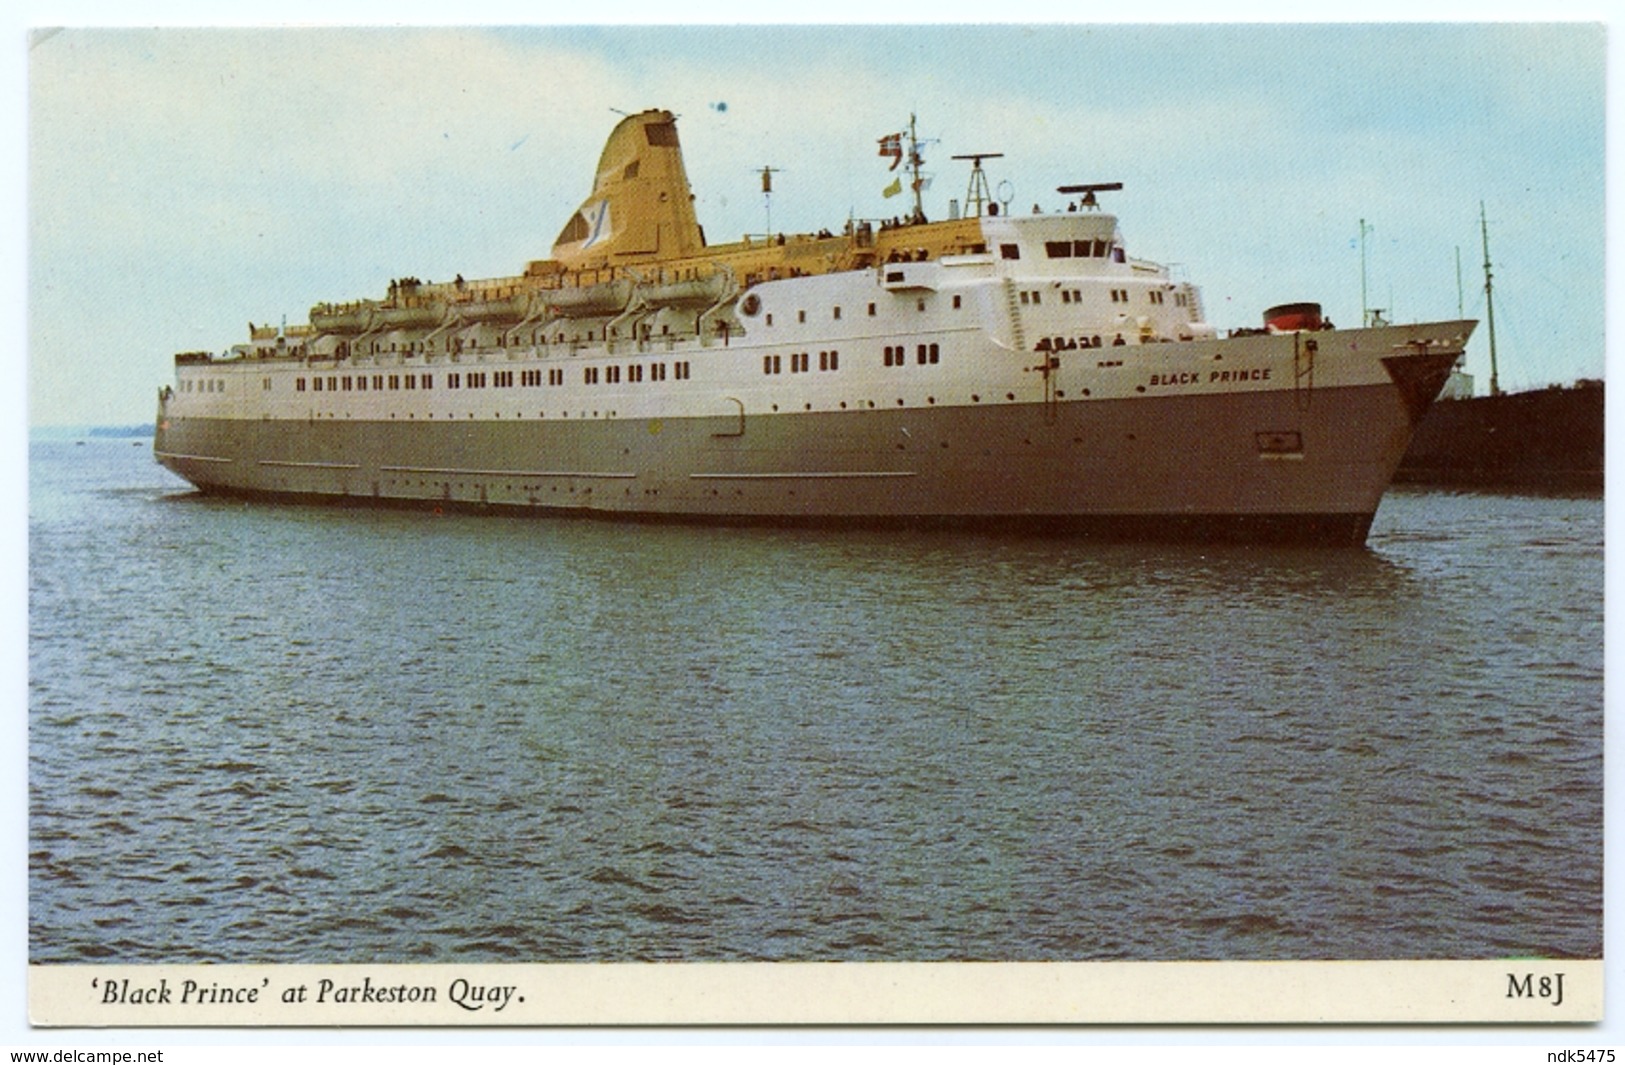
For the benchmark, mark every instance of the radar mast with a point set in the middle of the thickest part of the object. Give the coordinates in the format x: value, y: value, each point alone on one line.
x: 977, y: 194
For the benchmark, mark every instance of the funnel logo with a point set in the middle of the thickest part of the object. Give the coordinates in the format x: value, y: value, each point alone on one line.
x: 597, y: 217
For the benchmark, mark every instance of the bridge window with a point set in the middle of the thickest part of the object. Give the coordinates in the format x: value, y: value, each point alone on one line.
x: 1010, y: 251
x: 1058, y: 249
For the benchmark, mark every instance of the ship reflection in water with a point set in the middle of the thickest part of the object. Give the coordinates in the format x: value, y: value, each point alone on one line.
x: 393, y: 736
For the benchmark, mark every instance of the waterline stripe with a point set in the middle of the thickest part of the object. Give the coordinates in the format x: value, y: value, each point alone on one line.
x: 190, y: 458
x: 827, y: 475
x: 503, y: 473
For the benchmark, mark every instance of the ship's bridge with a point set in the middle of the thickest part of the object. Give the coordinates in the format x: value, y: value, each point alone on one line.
x: 1069, y: 243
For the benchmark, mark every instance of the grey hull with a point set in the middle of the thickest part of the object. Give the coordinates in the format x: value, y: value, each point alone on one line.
x: 1259, y: 466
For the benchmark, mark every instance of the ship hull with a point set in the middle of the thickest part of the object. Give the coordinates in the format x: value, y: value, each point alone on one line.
x: 1550, y: 440
x: 1277, y: 465
x: 980, y: 370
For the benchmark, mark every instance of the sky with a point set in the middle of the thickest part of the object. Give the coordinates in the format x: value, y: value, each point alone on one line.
x: 182, y: 182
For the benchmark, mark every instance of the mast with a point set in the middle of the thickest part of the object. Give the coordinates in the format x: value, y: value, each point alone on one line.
x: 767, y: 173
x: 1365, y: 304
x: 1489, y: 299
x: 914, y: 163
x: 977, y: 195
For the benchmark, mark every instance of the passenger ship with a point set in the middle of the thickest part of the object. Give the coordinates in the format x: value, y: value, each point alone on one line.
x: 988, y: 368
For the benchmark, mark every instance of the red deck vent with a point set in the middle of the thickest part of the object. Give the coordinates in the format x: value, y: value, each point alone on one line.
x: 1289, y: 317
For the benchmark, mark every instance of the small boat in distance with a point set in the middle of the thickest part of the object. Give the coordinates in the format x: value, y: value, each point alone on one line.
x: 985, y: 368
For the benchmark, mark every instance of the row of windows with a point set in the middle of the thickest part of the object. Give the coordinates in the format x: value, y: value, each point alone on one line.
x: 358, y: 382
x: 498, y: 379
x: 634, y: 374
x: 457, y: 345
x: 924, y: 354
x: 454, y: 345
x: 207, y: 384
x: 801, y: 362
x: 801, y: 316
x: 1077, y: 249
x: 1119, y: 295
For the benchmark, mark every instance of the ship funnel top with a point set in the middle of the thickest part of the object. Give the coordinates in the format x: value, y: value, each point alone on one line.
x: 641, y: 209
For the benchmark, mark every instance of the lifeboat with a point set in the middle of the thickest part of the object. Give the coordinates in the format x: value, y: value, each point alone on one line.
x: 411, y: 317
x: 511, y: 309
x: 590, y: 301
x: 700, y: 292
x: 341, y: 320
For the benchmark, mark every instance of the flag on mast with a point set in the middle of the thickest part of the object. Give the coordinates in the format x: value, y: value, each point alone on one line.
x: 893, y: 189
x: 891, y: 146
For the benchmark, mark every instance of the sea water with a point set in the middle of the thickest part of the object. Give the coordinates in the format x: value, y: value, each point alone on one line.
x: 316, y: 734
